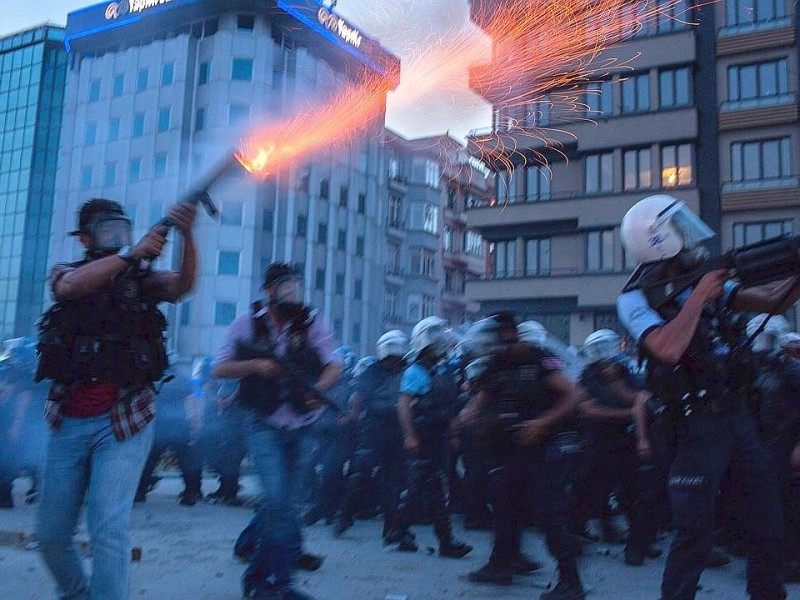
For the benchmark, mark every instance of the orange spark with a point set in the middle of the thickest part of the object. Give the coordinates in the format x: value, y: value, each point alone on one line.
x: 553, y: 47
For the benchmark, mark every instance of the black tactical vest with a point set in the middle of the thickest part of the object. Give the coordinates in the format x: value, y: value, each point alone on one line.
x: 432, y: 412
x: 110, y: 335
x: 381, y: 403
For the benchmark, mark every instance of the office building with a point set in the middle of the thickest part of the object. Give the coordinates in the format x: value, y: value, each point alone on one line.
x: 32, y: 72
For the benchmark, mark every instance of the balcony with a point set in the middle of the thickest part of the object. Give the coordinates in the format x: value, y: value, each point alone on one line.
x: 758, y: 112
x: 750, y: 37
x: 590, y: 289
x: 763, y: 194
x: 395, y: 275
x: 396, y: 228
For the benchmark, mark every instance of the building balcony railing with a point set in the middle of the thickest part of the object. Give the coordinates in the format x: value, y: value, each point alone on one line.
x: 553, y: 273
x: 745, y: 28
x: 526, y: 199
x: 395, y: 270
x: 762, y: 102
x: 761, y: 184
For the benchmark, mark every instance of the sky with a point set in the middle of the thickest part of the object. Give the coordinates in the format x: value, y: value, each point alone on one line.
x: 402, y: 26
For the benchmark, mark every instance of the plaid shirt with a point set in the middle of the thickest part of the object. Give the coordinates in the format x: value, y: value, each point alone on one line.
x: 134, y: 408
x: 131, y: 412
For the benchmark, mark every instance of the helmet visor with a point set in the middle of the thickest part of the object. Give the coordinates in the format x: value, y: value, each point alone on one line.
x: 691, y: 227
x: 602, y: 349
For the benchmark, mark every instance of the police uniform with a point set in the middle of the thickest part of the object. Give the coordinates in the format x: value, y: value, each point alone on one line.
x: 714, y: 433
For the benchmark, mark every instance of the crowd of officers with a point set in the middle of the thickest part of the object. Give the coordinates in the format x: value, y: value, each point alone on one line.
x: 492, y: 426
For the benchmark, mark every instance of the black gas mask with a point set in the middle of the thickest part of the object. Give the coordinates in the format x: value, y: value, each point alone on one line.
x: 108, y: 232
x: 286, y: 298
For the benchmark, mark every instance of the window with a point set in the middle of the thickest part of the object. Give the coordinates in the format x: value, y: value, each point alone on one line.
x: 362, y: 204
x: 142, y: 76
x: 447, y: 237
x: 319, y: 281
x: 200, y: 119
x: 390, y: 304
x: 356, y: 333
x: 267, y: 222
x: 504, y: 259
x: 113, y: 129
x: 451, y: 197
x: 343, y: 195
x: 134, y: 170
x: 91, y: 133
x: 599, y: 99
x: 674, y: 88
x: 231, y: 213
x: 761, y: 160
x: 302, y: 226
x: 137, y: 129
x: 118, y: 86
x: 432, y: 174
x: 537, y: 256
x: 414, y: 307
x: 238, y: 113
x: 358, y: 289
x: 163, y: 119
x: 636, y: 169
x: 224, y: 313
x: 537, y: 185
x: 394, y: 168
x: 245, y: 22
x: 228, y: 262
x: 167, y: 73
x: 110, y: 174
x: 751, y: 233
x: 600, y: 250
x: 676, y: 165
x: 636, y: 93
x: 204, y: 73
x: 599, y: 173
x: 360, y: 245
x: 242, y: 69
x: 159, y: 165
x: 339, y: 284
x: 322, y: 233
x: 449, y: 280
x: 425, y: 217
x: 428, y: 306
x: 394, y: 212
x: 760, y: 80
x: 749, y: 12
x: 324, y: 188
x: 673, y: 16
x: 341, y: 241
x: 473, y: 243
x: 186, y: 312
x: 94, y: 90
x: 423, y: 262
x: 86, y: 178
x: 337, y: 329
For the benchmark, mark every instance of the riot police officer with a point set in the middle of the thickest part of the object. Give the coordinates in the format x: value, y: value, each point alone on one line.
x: 102, y: 345
x: 426, y: 409
x: 686, y: 338
x: 522, y: 399
x: 379, y: 437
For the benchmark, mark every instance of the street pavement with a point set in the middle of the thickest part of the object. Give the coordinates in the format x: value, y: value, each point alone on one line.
x: 186, y: 555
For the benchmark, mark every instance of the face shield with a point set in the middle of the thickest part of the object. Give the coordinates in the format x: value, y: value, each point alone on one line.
x: 602, y: 350
x: 109, y: 232
x: 692, y: 228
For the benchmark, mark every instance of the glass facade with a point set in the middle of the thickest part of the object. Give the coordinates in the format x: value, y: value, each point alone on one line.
x: 32, y: 73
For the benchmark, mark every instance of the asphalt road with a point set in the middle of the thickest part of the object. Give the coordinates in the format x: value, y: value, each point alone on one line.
x: 186, y: 555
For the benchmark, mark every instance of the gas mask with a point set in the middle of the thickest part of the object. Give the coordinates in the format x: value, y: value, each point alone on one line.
x: 286, y: 297
x: 108, y: 232
x: 690, y: 259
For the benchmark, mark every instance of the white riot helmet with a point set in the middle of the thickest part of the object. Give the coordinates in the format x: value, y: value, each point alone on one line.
x: 532, y: 332
x: 603, y: 344
x: 777, y: 326
x: 430, y: 332
x: 485, y: 337
x: 659, y: 227
x: 391, y: 343
x: 790, y: 340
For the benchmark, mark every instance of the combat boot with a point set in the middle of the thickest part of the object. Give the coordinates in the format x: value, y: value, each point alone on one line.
x: 454, y: 549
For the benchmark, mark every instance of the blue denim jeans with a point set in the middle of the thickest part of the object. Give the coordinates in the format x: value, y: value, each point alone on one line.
x: 85, y: 461
x: 281, y: 458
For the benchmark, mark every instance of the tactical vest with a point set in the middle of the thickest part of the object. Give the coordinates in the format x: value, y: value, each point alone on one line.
x: 111, y: 335
x: 776, y: 394
x: 381, y: 403
x: 433, y: 411
x: 704, y: 371
x: 598, y: 388
x: 265, y: 394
